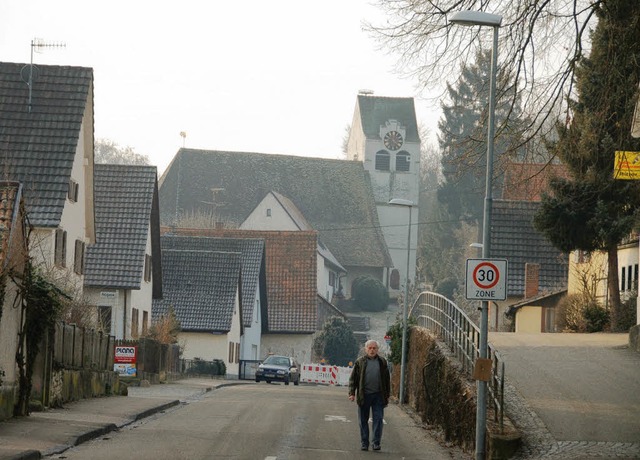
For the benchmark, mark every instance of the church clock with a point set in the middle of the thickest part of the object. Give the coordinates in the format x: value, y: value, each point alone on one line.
x: 393, y: 140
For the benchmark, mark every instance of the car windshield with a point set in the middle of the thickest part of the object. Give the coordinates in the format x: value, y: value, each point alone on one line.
x: 277, y: 361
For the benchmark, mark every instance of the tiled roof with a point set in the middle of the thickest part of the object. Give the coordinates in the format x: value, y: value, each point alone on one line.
x: 291, y: 276
x: 335, y: 196
x: 527, y: 181
x: 375, y: 111
x: 126, y: 207
x: 10, y: 195
x: 37, y: 148
x: 252, y: 257
x: 201, y: 287
x: 513, y: 237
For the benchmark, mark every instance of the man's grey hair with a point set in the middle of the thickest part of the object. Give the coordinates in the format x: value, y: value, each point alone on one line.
x: 371, y: 341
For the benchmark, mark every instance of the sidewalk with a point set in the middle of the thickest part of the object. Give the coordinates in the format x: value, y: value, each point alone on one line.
x: 56, y: 430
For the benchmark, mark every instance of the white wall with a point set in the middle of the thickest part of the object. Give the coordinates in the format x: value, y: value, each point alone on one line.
x: 278, y: 219
x: 250, y: 342
x: 297, y: 345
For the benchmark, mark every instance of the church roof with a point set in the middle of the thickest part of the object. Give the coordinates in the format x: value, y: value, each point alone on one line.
x: 335, y: 196
x: 39, y: 145
x: 375, y: 111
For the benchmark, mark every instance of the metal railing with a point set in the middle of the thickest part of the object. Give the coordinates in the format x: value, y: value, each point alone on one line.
x: 449, y: 323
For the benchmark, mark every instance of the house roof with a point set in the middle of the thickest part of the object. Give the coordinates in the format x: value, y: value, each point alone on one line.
x: 38, y: 147
x: 252, y: 258
x: 375, y: 111
x: 335, y: 196
x: 201, y: 286
x: 549, y: 299
x: 126, y: 207
x: 513, y: 237
x: 528, y: 181
x: 292, y: 210
x: 291, y: 272
x: 10, y: 196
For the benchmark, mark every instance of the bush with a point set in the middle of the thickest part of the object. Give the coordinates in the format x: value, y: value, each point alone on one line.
x: 395, y: 332
x: 578, y: 313
x: 596, y: 317
x: 370, y: 294
x: 336, y: 343
x: 202, y: 367
x: 628, y: 314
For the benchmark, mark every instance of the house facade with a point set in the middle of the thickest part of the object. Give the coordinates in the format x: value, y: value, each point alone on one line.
x: 123, y: 268
x: 47, y: 131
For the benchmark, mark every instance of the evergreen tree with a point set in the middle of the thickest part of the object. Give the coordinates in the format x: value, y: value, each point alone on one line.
x: 336, y: 343
x: 592, y: 210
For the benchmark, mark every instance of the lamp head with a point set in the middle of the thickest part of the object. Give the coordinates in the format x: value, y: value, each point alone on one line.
x: 475, y: 18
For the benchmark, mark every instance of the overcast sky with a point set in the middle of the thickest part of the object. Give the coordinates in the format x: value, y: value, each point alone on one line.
x: 277, y: 76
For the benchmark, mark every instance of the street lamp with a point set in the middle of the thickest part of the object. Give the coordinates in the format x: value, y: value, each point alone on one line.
x: 409, y: 204
x: 480, y: 18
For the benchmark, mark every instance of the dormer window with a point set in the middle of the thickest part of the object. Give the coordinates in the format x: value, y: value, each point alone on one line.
x: 72, y: 192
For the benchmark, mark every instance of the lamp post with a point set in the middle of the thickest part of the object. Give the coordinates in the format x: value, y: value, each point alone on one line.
x: 480, y: 18
x: 405, y: 308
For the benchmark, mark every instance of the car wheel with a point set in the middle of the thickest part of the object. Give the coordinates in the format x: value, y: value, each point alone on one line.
x: 257, y: 380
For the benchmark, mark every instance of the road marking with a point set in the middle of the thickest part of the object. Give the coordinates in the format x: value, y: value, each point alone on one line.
x: 271, y: 458
x: 336, y: 418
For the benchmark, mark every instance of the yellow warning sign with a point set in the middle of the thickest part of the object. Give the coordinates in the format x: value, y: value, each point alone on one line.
x: 627, y: 165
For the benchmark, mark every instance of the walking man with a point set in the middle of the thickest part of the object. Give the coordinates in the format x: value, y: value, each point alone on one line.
x: 370, y: 386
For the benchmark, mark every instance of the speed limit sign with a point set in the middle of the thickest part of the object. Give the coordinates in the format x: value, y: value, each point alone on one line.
x: 486, y: 279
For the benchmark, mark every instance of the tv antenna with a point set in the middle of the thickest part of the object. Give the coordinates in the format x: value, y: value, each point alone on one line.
x: 37, y: 45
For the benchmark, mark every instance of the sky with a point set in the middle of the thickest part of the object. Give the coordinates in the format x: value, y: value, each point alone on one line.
x: 277, y: 76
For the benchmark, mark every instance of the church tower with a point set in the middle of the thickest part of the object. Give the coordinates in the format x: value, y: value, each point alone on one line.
x: 384, y: 137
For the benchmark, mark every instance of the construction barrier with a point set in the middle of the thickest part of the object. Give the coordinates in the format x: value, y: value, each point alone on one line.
x: 324, y: 374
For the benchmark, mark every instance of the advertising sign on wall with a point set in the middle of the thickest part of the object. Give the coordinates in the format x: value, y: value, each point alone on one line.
x: 125, y: 360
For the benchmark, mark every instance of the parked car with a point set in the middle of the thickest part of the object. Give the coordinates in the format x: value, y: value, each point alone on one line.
x: 278, y: 369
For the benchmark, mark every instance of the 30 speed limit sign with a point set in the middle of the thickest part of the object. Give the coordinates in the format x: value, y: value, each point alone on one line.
x: 486, y: 279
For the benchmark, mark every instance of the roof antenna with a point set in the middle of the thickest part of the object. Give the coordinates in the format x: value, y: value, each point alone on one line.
x: 36, y: 45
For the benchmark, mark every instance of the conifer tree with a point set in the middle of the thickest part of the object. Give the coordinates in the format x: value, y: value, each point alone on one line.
x: 591, y: 210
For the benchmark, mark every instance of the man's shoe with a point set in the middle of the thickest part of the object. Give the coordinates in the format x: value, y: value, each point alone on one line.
x: 376, y: 447
x: 364, y: 447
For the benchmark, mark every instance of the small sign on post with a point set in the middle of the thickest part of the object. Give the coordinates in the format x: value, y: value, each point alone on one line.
x: 486, y: 279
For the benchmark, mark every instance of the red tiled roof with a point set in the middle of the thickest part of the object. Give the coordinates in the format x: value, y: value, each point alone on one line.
x: 527, y: 181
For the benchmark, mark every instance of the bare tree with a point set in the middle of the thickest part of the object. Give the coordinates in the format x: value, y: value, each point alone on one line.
x: 109, y: 152
x: 540, y: 43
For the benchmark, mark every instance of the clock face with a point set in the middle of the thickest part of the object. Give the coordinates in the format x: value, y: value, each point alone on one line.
x: 393, y: 140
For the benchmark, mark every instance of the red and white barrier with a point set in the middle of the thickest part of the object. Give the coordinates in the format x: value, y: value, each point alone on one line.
x: 328, y: 375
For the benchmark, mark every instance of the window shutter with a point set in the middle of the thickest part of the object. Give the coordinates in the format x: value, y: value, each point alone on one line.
x: 78, y: 261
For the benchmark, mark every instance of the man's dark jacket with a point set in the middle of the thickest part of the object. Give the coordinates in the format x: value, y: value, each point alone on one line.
x: 356, y: 381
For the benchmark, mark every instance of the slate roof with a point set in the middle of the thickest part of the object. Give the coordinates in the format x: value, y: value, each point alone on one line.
x: 335, y: 196
x: 252, y: 258
x: 291, y: 272
x: 126, y: 207
x: 513, y: 237
x: 528, y: 181
x: 375, y: 111
x: 201, y: 287
x: 37, y: 148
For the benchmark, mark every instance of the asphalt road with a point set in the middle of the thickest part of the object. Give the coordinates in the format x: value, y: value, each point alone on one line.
x: 584, y: 387
x: 265, y: 422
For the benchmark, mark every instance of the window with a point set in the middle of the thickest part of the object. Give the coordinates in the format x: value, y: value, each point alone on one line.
x: 60, y: 250
x: 269, y: 212
x: 332, y: 279
x: 403, y: 161
x: 134, y: 323
x: 105, y: 319
x: 623, y: 279
x: 629, y: 278
x: 635, y: 277
x: 147, y: 268
x: 72, y: 192
x: 231, y: 348
x: 382, y: 160
x: 78, y: 257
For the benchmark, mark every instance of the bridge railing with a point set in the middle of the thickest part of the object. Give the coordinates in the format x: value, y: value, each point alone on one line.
x: 448, y: 322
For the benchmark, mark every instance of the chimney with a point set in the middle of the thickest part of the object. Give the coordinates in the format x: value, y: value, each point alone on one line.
x: 531, y: 280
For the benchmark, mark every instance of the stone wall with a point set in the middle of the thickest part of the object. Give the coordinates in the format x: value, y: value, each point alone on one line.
x: 73, y: 385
